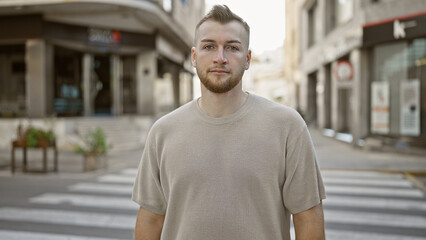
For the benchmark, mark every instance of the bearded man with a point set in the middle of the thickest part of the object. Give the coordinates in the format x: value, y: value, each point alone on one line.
x: 229, y: 165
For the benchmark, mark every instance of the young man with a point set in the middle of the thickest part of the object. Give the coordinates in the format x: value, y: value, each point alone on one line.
x: 229, y: 165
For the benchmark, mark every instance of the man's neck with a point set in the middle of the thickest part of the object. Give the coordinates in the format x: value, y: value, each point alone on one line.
x: 221, y: 105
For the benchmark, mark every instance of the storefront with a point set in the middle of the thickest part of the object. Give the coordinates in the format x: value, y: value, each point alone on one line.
x: 397, y: 49
x: 51, y: 68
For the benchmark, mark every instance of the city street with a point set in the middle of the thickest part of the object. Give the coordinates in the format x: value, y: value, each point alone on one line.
x: 363, y: 201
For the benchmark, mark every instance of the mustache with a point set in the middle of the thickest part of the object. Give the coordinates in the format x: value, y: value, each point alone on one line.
x: 216, y: 68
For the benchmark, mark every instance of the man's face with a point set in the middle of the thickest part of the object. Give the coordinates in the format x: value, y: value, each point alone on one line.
x: 221, y: 55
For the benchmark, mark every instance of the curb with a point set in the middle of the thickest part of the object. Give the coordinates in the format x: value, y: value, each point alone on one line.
x: 420, y: 184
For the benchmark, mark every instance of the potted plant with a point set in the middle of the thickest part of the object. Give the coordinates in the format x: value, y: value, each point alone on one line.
x: 92, y: 146
x: 36, y: 137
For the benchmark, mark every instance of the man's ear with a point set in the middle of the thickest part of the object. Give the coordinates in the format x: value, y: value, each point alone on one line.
x: 194, y: 62
x: 248, y: 59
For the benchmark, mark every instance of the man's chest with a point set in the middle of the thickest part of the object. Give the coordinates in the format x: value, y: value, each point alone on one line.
x: 238, y: 159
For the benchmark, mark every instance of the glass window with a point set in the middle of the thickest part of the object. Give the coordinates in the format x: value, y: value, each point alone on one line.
x: 167, y: 5
x: 12, y: 81
x: 313, y: 25
x: 344, y: 10
x: 68, y: 85
x: 402, y: 66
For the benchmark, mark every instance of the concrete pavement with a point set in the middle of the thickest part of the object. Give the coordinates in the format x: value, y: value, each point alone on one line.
x: 332, y: 154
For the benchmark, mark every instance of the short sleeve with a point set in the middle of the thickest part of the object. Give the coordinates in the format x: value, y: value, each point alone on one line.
x: 147, y: 190
x: 303, y: 186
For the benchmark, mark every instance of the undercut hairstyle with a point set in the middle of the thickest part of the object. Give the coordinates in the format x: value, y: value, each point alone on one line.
x: 223, y: 15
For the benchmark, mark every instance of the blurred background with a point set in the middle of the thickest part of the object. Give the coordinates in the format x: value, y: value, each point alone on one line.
x: 82, y: 82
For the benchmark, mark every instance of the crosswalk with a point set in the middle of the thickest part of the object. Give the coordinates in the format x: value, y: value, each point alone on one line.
x: 374, y: 206
x: 95, y: 209
x: 359, y: 205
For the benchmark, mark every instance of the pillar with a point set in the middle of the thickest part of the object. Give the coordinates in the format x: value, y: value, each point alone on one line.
x: 321, y: 97
x: 146, y: 73
x: 87, y: 72
x: 358, y: 58
x: 117, y: 76
x: 36, y: 78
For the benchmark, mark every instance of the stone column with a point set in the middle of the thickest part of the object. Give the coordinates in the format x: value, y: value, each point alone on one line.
x: 321, y: 97
x: 146, y: 73
x: 358, y: 58
x: 334, y: 100
x: 36, y: 75
x: 117, y: 74
x: 87, y: 72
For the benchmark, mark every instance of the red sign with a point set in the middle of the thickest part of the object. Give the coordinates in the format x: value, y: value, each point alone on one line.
x: 343, y: 71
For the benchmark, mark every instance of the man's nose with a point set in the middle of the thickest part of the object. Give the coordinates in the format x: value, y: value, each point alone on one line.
x: 220, y: 56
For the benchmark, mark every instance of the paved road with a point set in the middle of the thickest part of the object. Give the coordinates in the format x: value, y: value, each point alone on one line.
x: 78, y: 206
x: 362, y: 203
x: 359, y: 205
x: 372, y: 205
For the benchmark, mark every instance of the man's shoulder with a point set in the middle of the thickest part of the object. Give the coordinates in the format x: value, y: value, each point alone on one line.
x: 175, y: 117
x: 276, y: 110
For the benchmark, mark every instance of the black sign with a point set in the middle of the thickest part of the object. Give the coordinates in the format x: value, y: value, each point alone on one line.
x: 406, y: 27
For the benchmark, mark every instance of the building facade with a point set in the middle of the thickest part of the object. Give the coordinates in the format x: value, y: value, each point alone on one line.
x: 127, y: 61
x: 361, y: 69
x: 90, y: 58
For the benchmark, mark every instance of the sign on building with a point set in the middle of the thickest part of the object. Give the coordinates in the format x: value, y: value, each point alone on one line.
x: 380, y: 107
x: 410, y: 107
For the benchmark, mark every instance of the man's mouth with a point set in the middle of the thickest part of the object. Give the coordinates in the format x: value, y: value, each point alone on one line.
x: 219, y: 71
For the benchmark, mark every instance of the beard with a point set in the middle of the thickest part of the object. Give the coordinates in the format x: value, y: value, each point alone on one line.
x: 217, y: 84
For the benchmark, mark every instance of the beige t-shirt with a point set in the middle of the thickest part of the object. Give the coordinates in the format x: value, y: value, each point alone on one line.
x: 236, y: 177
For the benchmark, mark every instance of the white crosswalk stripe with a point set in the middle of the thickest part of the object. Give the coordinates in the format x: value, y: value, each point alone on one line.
x: 68, y: 217
x: 101, y: 188
x: 380, y: 203
x: 377, y: 219
x: 368, y: 182
x: 129, y: 171
x: 17, y: 235
x: 85, y: 200
x: 114, y: 178
x: 109, y: 192
x: 353, y: 235
x: 375, y: 191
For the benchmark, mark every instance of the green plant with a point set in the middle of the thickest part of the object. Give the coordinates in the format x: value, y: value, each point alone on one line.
x: 93, y: 143
x: 34, y: 136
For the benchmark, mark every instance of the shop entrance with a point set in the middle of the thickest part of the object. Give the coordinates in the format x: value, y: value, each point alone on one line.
x: 101, y: 85
x: 345, y: 111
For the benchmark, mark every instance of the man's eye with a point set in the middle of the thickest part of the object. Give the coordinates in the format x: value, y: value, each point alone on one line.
x: 208, y: 47
x: 233, y: 48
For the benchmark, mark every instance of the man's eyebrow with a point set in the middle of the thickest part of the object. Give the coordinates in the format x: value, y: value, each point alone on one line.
x: 207, y: 40
x: 233, y: 41
x: 213, y: 41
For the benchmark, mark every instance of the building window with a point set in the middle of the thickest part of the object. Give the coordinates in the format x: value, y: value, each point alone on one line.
x: 12, y: 81
x: 398, y: 91
x: 167, y: 5
x: 330, y: 9
x: 343, y: 11
x: 313, y: 24
x: 68, y: 96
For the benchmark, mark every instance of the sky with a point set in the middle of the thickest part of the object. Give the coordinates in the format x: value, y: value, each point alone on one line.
x: 265, y: 18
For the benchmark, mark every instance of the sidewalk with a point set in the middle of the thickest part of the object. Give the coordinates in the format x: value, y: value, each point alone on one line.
x: 336, y: 155
x: 332, y: 155
x: 70, y: 164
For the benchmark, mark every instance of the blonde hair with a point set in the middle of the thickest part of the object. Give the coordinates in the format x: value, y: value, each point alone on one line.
x: 223, y: 15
